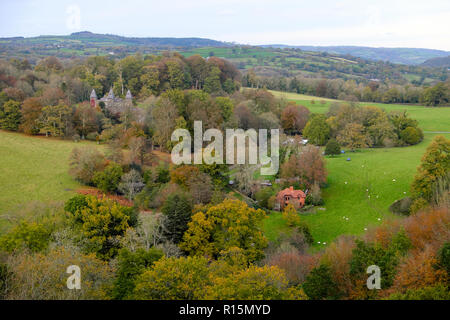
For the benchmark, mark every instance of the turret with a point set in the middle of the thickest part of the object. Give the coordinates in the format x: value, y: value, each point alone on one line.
x: 111, y: 94
x: 93, y: 99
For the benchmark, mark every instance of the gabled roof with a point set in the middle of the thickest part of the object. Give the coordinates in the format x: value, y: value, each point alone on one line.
x: 93, y: 94
x: 291, y: 192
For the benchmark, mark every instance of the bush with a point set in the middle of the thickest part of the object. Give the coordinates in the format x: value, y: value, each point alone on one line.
x: 444, y: 257
x: 108, y: 180
x: 75, y: 203
x: 85, y: 162
x: 332, y: 148
x: 418, y: 204
x: 31, y: 236
x: 92, y: 136
x: 314, y: 197
x: 291, y: 216
x: 304, y: 229
x: 411, y: 135
x: 401, y: 206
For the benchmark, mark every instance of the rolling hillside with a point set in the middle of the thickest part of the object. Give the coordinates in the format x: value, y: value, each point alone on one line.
x: 410, y: 56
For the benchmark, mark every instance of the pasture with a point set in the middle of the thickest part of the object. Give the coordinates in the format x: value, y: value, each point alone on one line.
x: 33, y: 169
x: 360, y: 191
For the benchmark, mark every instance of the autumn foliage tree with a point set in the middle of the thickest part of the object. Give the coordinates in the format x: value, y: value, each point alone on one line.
x: 229, y: 224
x: 308, y: 166
x: 435, y: 165
x: 294, y: 118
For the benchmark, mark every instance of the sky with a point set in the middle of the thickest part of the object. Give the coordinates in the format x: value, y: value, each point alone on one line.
x: 374, y: 23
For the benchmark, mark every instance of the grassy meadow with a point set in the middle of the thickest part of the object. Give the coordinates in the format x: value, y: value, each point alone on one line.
x: 360, y: 191
x: 33, y: 169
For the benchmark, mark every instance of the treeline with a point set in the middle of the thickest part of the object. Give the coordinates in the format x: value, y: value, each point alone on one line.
x: 142, y: 75
x: 350, y: 90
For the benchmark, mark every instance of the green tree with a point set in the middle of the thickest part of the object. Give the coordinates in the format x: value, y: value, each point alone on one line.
x: 101, y: 223
x: 130, y: 266
x: 435, y: 164
x: 365, y: 255
x: 317, y: 130
x: 178, y: 210
x: 253, y: 283
x: 26, y: 235
x: 332, y: 148
x: 353, y: 136
x: 212, y: 81
x: 229, y: 224
x: 10, y: 115
x: 436, y: 95
x: 411, y: 135
x: 320, y: 285
x: 108, y: 180
x: 54, y: 120
x: 174, y: 279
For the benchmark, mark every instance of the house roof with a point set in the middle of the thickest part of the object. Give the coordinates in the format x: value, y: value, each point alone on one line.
x: 291, y: 192
x: 93, y: 94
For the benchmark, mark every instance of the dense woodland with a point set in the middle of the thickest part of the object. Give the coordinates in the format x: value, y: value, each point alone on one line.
x: 154, y: 224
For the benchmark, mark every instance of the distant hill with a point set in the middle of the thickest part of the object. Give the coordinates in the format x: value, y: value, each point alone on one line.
x: 441, y: 62
x: 87, y: 43
x: 105, y: 39
x: 411, y: 56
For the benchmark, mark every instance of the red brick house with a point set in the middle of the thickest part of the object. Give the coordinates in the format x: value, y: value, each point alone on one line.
x: 291, y: 196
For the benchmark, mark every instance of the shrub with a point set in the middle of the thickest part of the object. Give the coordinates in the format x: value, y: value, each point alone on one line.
x: 85, y: 162
x: 411, y: 135
x: 75, y: 203
x: 444, y: 257
x: 303, y: 228
x: 32, y: 236
x: 401, y: 206
x: 291, y: 216
x: 332, y: 148
x: 108, y: 180
x: 418, y: 205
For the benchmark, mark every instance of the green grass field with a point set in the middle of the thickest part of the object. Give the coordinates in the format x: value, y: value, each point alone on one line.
x: 33, y: 169
x: 384, y: 174
x: 430, y: 119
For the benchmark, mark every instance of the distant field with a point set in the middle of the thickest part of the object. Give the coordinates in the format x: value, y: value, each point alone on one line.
x: 33, y: 169
x: 384, y: 174
x: 430, y: 118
